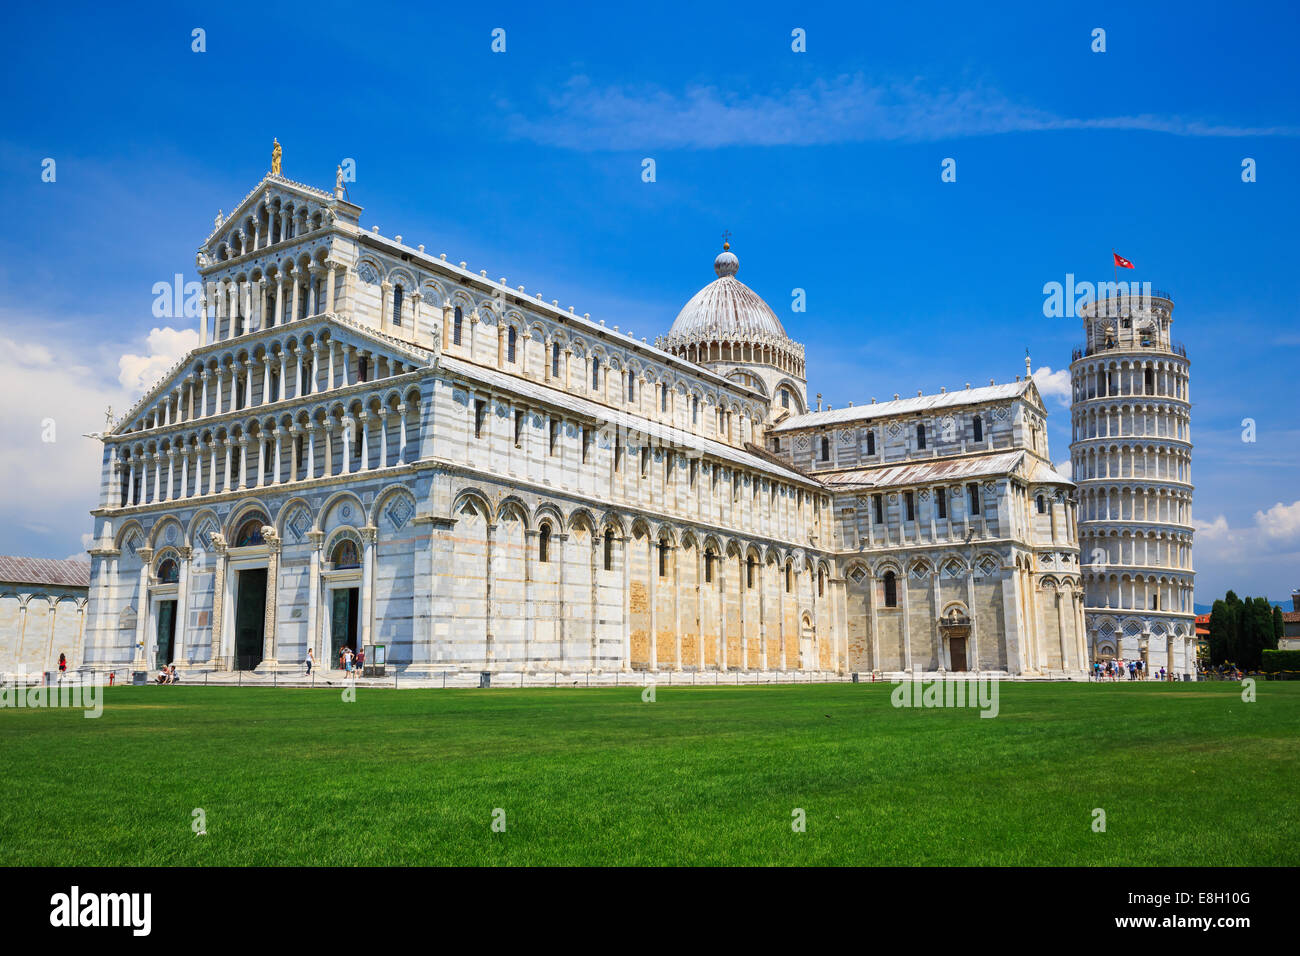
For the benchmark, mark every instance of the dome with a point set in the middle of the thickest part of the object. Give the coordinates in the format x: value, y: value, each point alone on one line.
x: 726, y: 309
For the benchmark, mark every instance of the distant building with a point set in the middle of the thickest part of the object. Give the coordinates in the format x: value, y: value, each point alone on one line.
x: 1290, y: 639
x: 1203, y: 636
x: 42, y: 613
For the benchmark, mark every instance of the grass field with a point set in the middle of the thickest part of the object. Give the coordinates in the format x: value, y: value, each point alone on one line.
x: 1187, y: 774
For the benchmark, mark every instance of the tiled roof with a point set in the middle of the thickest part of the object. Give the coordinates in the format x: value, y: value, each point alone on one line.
x: 655, y: 431
x: 904, y: 406
x: 926, y: 472
x: 16, y: 570
x: 1291, y: 617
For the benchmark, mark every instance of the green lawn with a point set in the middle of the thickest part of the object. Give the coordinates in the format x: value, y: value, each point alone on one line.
x: 1187, y: 774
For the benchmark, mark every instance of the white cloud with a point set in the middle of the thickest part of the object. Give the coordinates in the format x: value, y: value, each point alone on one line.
x: 1054, y: 384
x: 1066, y: 468
x: 1216, y: 530
x: 1280, y: 522
x: 50, y: 485
x: 1260, y: 558
x: 848, y: 108
x: 166, y: 347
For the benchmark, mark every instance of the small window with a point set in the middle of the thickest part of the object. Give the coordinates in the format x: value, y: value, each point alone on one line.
x: 891, y: 589
x: 1150, y: 381
x: 631, y: 387
x: 941, y: 501
x: 609, y: 550
x: 250, y: 532
x: 520, y: 418
x: 555, y: 360
x: 909, y: 498
x: 878, y: 504
x: 544, y: 544
x: 455, y: 326
x: 512, y: 338
x: 363, y: 368
x: 1042, y: 505
x: 345, y: 555
x: 821, y: 583
x: 979, y: 428
x: 709, y: 556
x: 555, y: 435
x: 826, y: 448
x: 920, y: 436
x: 480, y: 416
x: 663, y: 558
x: 973, y: 493
x: 789, y: 578
x: 695, y: 410
x: 397, y: 305
x: 663, y: 398
x: 595, y: 373
x: 749, y: 573
x: 871, y: 443
x: 776, y: 444
x: 168, y: 572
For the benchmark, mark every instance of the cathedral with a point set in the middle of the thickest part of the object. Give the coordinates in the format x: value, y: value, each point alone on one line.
x: 375, y: 446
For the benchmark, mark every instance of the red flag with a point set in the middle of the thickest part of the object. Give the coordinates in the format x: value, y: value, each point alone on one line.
x: 1120, y: 261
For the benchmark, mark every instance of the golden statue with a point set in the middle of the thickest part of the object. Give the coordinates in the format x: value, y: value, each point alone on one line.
x: 275, y: 158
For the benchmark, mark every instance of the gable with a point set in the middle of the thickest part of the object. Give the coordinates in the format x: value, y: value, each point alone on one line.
x: 273, y: 193
x: 244, y: 346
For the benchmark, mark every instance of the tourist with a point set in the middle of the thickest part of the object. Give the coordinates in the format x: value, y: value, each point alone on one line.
x: 63, y: 666
x: 360, y: 662
x: 311, y: 658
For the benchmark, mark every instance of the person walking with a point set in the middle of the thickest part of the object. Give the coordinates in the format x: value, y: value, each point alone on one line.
x: 311, y: 659
x: 63, y: 666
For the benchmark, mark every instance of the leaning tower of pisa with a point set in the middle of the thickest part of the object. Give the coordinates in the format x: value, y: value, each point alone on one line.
x: 1131, y: 453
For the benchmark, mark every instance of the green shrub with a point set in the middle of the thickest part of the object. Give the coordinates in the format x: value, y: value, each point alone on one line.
x: 1274, y: 661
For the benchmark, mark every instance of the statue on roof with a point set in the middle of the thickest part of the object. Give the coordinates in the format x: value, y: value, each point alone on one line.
x: 221, y: 217
x: 275, y: 157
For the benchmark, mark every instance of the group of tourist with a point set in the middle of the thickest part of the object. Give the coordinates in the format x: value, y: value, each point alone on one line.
x: 1120, y: 669
x: 350, y: 661
x: 167, y: 675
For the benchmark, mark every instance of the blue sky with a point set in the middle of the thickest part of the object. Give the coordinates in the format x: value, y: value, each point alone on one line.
x: 824, y: 165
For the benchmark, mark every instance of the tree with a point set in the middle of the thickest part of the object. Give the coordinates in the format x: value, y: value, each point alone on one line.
x: 1219, y: 627
x: 1232, y: 635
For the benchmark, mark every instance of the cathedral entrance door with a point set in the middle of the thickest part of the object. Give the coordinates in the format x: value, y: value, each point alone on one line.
x: 250, y: 618
x: 343, y: 622
x: 166, y: 632
x: 957, y: 653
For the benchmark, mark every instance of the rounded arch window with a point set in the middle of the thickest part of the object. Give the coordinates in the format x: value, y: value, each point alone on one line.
x: 250, y: 532
x: 345, y: 555
x: 168, y: 571
x: 891, y: 589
